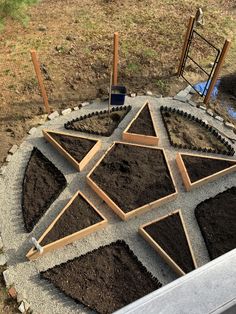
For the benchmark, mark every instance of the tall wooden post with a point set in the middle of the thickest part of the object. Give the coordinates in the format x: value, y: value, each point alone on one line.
x: 187, y: 36
x: 217, y: 70
x: 40, y: 80
x: 115, y: 59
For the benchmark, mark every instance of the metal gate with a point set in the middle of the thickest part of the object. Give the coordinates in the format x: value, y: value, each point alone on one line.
x: 188, y: 57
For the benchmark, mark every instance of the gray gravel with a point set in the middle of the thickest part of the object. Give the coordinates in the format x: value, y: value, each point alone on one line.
x: 43, y: 297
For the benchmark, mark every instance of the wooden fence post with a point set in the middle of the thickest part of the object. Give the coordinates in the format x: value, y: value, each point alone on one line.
x: 187, y: 35
x: 115, y: 59
x: 40, y: 80
x: 217, y: 70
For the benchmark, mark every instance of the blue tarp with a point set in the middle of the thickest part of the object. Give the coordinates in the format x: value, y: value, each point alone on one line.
x: 200, y: 88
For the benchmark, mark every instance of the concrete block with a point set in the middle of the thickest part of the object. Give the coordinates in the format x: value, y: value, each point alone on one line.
x: 149, y: 93
x: 24, y: 306
x: 219, y: 118
x: 13, y: 149
x: 192, y: 103
x: 3, y: 259
x: 202, y: 108
x: 132, y: 95
x: 66, y: 111
x: 180, y: 98
x: 32, y: 130
x: 53, y: 115
x: 210, y: 112
x: 84, y: 104
x: 2, y: 170
x: 9, y: 157
x: 229, y: 125
x: 12, y: 293
x: 7, y: 278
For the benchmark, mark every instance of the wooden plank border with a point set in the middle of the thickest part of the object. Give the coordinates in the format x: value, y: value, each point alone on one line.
x: 185, y: 176
x: 159, y: 249
x: 141, y: 138
x: 78, y: 165
x: 125, y: 216
x: 33, y: 253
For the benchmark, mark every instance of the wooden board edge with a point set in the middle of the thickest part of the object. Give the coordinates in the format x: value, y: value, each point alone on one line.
x: 32, y: 254
x: 161, y: 252
x: 106, y: 198
x: 140, y: 139
x: 183, y: 172
x: 87, y: 158
x: 153, y: 121
x: 189, y: 185
x: 188, y: 239
x: 135, y: 117
x: 78, y: 165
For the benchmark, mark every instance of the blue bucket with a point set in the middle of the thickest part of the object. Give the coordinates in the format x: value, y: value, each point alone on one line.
x: 117, y: 95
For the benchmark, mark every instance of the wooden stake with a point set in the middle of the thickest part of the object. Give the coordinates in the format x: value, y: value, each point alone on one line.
x: 115, y: 59
x: 187, y: 36
x: 217, y: 70
x: 109, y: 102
x: 40, y: 80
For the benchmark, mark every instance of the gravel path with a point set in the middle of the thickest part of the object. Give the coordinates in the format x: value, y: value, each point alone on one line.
x: 43, y: 297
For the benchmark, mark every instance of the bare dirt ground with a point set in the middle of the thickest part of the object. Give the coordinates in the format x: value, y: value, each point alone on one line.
x: 74, y: 42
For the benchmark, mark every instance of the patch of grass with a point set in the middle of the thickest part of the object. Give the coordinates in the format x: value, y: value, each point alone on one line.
x: 162, y: 86
x: 15, y: 9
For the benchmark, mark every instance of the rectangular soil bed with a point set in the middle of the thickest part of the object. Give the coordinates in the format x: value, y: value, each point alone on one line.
x: 142, y: 129
x: 197, y: 170
x: 78, y: 150
x: 133, y: 179
x: 76, y: 220
x: 105, y: 279
x: 168, y: 236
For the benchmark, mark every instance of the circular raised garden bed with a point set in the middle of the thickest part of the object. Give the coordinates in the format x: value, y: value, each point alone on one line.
x: 132, y: 179
x: 216, y: 217
x: 99, y: 122
x: 42, y: 184
x: 189, y: 132
x: 105, y: 279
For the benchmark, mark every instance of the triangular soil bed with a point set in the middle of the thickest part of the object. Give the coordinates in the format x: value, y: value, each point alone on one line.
x: 78, y: 150
x: 105, y: 279
x: 168, y: 236
x: 142, y: 129
x: 98, y: 122
x: 216, y: 217
x: 133, y: 178
x: 197, y: 170
x: 189, y: 132
x: 42, y: 184
x: 76, y: 220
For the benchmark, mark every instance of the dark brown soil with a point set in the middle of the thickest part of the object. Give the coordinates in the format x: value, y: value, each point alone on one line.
x: 188, y: 133
x: 217, y: 220
x: 42, y: 184
x: 169, y: 234
x: 133, y: 176
x: 99, y: 122
x: 105, y: 279
x: 77, y: 147
x: 199, y: 168
x: 79, y: 215
x: 143, y: 124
